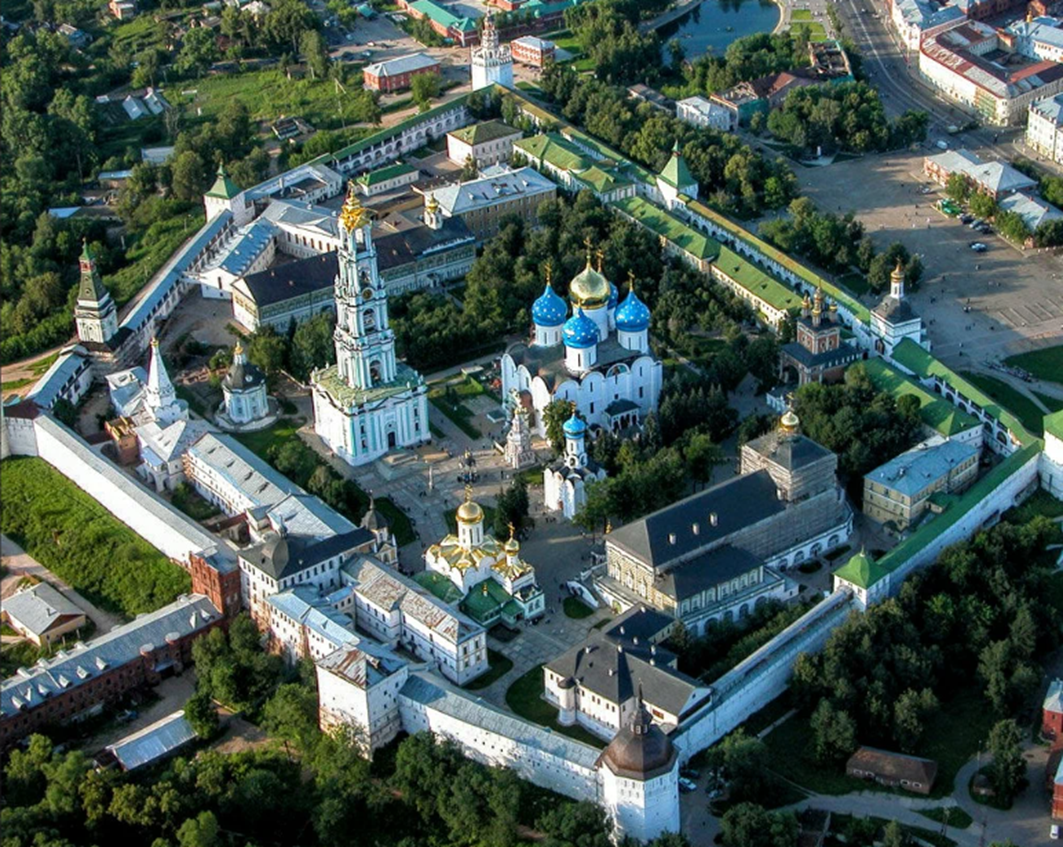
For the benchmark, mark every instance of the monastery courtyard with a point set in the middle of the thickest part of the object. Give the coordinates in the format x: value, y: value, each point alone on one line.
x: 1016, y: 296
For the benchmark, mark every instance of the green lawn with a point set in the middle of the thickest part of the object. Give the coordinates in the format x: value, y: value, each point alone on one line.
x: 1046, y: 363
x: 952, y: 736
x: 798, y: 15
x: 1015, y: 402
x: 524, y: 697
x: 957, y: 817
x: 855, y: 283
x: 576, y: 608
x: 77, y: 539
x: 268, y: 94
x: 1053, y: 404
x: 500, y: 666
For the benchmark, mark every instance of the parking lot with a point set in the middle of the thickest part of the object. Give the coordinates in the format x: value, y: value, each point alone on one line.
x: 1015, y: 296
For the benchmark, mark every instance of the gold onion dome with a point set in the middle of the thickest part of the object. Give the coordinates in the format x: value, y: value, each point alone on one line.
x: 432, y: 205
x: 353, y: 215
x: 789, y: 422
x: 470, y: 511
x: 590, y: 289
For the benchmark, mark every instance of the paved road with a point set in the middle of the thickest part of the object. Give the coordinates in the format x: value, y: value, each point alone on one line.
x: 20, y: 564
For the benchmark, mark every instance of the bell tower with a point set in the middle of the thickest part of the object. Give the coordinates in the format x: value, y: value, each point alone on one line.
x: 365, y: 344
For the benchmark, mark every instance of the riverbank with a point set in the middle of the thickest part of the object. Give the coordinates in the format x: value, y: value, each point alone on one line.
x: 709, y: 26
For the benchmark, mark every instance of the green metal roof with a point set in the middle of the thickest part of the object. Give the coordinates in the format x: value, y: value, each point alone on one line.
x: 91, y: 287
x: 555, y: 150
x: 384, y: 174
x: 859, y: 311
x: 934, y: 411
x: 861, y: 570
x: 1054, y: 424
x: 676, y: 173
x: 223, y: 187
x: 439, y: 585
x: 484, y: 132
x: 392, y: 132
x: 910, y: 355
x: 601, y: 180
x: 756, y: 281
x: 674, y: 230
x: 484, y: 600
x: 443, y: 16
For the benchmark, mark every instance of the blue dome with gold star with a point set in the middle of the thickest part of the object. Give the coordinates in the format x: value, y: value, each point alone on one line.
x: 580, y: 331
x: 549, y: 309
x: 633, y: 315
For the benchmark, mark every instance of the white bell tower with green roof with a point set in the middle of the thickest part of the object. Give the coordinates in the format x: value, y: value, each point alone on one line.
x: 676, y: 179
x: 94, y: 313
x: 368, y: 402
x: 226, y: 196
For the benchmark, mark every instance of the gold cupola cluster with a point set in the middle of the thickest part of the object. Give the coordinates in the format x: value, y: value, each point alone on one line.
x: 590, y: 289
x: 353, y: 215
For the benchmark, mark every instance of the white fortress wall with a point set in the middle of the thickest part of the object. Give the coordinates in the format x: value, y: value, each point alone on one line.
x: 496, y: 738
x: 143, y: 511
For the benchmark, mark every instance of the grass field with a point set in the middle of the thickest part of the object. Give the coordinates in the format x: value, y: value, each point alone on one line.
x: 525, y: 698
x: 150, y: 253
x: 268, y: 94
x: 81, y: 542
x: 800, y: 15
x: 1046, y: 363
x: 1053, y: 404
x: 1018, y: 404
x: 855, y: 283
x: 499, y: 666
x: 952, y: 736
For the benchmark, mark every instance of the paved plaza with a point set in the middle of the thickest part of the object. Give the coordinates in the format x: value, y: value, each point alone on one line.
x: 1015, y: 296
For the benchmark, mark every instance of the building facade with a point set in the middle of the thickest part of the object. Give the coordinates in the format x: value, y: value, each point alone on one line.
x: 397, y: 74
x: 486, y: 143
x: 483, y: 202
x: 565, y: 482
x: 818, y: 354
x: 492, y: 63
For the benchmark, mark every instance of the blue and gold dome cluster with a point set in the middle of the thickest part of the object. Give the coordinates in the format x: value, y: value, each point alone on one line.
x: 633, y: 315
x: 580, y: 331
x: 549, y: 310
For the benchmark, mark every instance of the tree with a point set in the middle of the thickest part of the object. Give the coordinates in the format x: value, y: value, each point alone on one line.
x: 982, y: 205
x: 201, y: 715
x: 312, y: 345
x: 702, y: 455
x: 554, y: 416
x: 750, y: 825
x: 286, y: 23
x: 199, y: 48
x: 1007, y: 767
x: 189, y: 176
x: 469, y: 170
x: 424, y: 87
x: 834, y: 733
x: 200, y: 831
x: 65, y: 412
x: 1049, y: 234
x: 266, y: 350
x: 291, y: 714
x: 512, y: 509
x: 593, y: 515
x: 957, y: 187
x: 315, y: 53
x: 894, y: 835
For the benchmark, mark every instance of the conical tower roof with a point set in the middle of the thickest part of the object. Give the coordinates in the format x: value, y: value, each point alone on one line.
x: 91, y: 288
x: 223, y: 187
x: 676, y: 173
x: 861, y: 570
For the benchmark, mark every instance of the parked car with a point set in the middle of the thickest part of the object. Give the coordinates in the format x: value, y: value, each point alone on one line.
x: 941, y: 145
x: 686, y: 785
x: 966, y: 218
x: 1053, y: 833
x: 978, y: 247
x: 690, y: 773
x: 126, y: 716
x: 977, y: 222
x: 985, y: 229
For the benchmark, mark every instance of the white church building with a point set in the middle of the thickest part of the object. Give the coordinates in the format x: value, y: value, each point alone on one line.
x: 368, y: 402
x: 565, y: 482
x: 492, y: 63
x: 598, y: 358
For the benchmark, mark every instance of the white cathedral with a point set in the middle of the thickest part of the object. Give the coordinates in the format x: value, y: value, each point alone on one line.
x: 599, y: 357
x: 492, y: 63
x: 368, y: 402
x: 565, y: 482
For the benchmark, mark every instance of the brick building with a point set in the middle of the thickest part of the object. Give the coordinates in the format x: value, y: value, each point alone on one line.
x: 1052, y: 714
x: 533, y: 51
x: 78, y: 683
x: 397, y: 74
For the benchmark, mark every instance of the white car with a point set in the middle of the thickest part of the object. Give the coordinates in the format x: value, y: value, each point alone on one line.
x: 1053, y: 833
x: 687, y: 785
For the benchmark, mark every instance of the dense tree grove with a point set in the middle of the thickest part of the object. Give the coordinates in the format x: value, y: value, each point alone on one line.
x: 745, y: 59
x: 77, y: 539
x: 976, y: 617
x: 731, y: 175
x: 864, y: 427
x: 846, y: 116
x: 838, y: 243
x: 608, y: 31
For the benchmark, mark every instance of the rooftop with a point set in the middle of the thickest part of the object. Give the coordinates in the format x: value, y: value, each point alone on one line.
x: 386, y: 173
x: 292, y: 279
x: 153, y: 742
x: 894, y: 765
x: 555, y: 150
x: 458, y: 198
x: 345, y: 396
x: 757, y: 282
x: 668, y: 226
x: 402, y: 64
x: 911, y: 472
x: 481, y: 133
x: 934, y: 411
x: 38, y: 608
x: 998, y: 177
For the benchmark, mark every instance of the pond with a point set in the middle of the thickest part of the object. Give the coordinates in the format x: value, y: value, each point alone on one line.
x: 716, y: 23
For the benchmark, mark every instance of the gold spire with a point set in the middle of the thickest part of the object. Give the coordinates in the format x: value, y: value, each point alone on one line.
x: 512, y: 546
x: 469, y: 511
x: 600, y: 256
x: 898, y: 272
x: 432, y: 205
x: 789, y: 423
x: 238, y: 349
x: 353, y: 215
x: 630, y: 280
x: 587, y: 244
x: 549, y: 270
